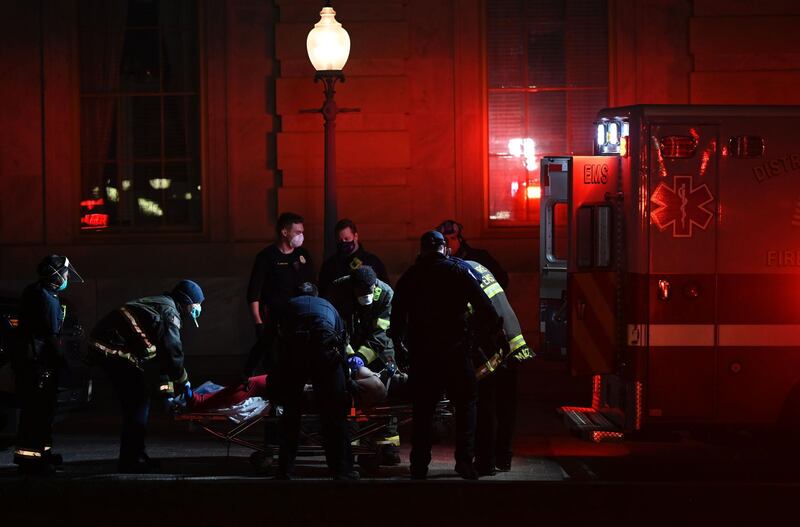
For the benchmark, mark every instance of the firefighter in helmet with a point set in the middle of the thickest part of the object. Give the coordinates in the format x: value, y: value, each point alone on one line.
x: 126, y: 339
x: 38, y: 356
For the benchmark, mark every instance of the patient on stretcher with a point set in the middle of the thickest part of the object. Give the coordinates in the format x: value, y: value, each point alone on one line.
x: 242, y: 401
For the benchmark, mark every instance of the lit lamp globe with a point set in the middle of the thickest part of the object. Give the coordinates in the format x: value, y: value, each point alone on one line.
x: 328, y: 44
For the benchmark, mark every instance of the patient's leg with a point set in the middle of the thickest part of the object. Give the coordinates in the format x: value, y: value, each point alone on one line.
x: 230, y: 395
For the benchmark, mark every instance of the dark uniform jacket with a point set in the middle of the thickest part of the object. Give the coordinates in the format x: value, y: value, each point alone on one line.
x: 310, y: 328
x: 276, y: 276
x: 467, y: 252
x: 366, y: 325
x: 340, y: 265
x: 41, y: 317
x: 141, y: 330
x: 430, y: 305
x: 517, y: 348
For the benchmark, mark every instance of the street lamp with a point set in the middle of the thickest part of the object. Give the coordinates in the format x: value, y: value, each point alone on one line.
x: 328, y: 46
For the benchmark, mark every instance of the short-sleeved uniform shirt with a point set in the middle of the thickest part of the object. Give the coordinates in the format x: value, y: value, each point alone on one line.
x: 275, y: 278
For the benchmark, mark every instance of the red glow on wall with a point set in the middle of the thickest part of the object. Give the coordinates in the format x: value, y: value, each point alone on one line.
x: 92, y: 203
x: 638, y: 406
x: 94, y: 221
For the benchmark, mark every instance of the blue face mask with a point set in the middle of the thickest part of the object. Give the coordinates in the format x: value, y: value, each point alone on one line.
x: 195, y: 311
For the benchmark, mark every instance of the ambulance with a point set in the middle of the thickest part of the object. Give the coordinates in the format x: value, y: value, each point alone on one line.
x: 670, y: 268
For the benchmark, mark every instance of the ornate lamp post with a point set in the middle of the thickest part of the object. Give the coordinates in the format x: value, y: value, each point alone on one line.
x: 328, y: 46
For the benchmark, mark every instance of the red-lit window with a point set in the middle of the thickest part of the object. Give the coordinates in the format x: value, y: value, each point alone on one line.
x: 140, y: 128
x: 547, y: 65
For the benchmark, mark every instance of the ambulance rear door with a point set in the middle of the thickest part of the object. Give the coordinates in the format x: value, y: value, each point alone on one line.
x: 593, y: 344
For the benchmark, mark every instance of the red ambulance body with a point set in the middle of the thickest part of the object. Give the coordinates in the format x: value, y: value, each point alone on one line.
x: 671, y: 258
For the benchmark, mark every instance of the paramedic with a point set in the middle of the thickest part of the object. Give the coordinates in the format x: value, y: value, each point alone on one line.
x: 429, y: 312
x: 365, y: 304
x: 278, y: 270
x: 350, y: 255
x: 454, y: 234
x: 37, y: 360
x: 311, y: 342
x: 124, y: 340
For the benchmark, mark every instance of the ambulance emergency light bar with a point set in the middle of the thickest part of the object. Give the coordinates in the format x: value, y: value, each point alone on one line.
x: 611, y: 137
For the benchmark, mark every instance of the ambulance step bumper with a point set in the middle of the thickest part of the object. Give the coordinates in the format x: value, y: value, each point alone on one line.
x: 590, y: 424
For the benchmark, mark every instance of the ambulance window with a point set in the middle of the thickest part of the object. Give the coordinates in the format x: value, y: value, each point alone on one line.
x: 593, y: 243
x: 602, y: 236
x: 560, y: 233
x: 584, y: 237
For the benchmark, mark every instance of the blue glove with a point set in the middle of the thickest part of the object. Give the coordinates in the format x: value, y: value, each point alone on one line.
x: 355, y: 362
x: 391, y: 367
x: 187, y: 390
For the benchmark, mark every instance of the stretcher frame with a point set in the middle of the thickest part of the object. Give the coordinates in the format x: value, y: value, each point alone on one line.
x: 371, y: 422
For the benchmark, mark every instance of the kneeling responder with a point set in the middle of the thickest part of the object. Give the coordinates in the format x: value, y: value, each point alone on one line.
x: 365, y: 304
x: 38, y: 356
x: 124, y: 340
x: 311, y: 342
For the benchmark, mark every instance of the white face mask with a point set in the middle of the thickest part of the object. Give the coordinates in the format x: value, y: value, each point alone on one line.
x: 297, y: 241
x: 365, y: 300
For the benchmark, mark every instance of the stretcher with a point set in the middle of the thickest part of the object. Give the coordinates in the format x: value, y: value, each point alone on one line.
x: 367, y: 429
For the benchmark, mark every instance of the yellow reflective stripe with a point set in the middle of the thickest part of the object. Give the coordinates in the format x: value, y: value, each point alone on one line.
x: 393, y: 440
x: 27, y: 453
x: 382, y: 323
x: 493, y: 290
x: 377, y: 294
x: 149, y: 347
x: 516, y: 343
x: 168, y: 387
x: 183, y: 378
x: 63, y: 312
x: 367, y: 354
x: 523, y: 354
x: 115, y: 352
x: 349, y: 350
x: 47, y: 448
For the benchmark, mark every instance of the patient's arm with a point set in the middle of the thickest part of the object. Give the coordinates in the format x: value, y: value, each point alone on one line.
x: 228, y: 396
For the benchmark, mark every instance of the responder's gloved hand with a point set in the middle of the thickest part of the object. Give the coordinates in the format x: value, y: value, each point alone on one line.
x: 187, y: 390
x: 391, y: 367
x: 175, y: 405
x: 355, y: 362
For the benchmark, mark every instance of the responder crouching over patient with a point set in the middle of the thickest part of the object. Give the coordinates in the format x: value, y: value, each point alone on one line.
x: 38, y: 356
x: 311, y: 342
x: 126, y: 339
x: 365, y: 304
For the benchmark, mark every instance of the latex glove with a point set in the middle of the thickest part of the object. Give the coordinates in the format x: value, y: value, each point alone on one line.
x: 187, y: 390
x: 175, y: 405
x: 355, y: 362
x: 391, y: 367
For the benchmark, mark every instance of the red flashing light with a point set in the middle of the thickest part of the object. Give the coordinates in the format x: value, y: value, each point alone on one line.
x: 678, y: 146
x: 92, y: 203
x: 94, y: 221
x: 597, y: 384
x: 600, y: 436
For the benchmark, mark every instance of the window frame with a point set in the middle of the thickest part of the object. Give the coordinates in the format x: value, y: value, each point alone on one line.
x: 158, y: 234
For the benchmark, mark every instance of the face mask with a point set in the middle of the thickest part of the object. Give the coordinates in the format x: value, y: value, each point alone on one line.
x: 365, y: 300
x: 63, y: 285
x: 346, y: 247
x: 297, y: 241
x: 194, y: 312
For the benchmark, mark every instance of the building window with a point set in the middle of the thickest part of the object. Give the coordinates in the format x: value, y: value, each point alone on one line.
x: 547, y: 71
x: 140, y: 130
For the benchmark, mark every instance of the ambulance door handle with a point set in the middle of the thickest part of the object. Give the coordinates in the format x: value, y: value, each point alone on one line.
x: 663, y: 290
x: 581, y: 309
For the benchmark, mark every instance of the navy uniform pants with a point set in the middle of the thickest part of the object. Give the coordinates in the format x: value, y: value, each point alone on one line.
x: 134, y: 397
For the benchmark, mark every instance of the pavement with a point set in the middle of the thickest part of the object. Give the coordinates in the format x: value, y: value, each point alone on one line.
x: 672, y: 478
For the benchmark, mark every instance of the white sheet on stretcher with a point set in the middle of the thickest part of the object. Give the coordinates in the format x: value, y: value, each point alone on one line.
x: 239, y: 412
